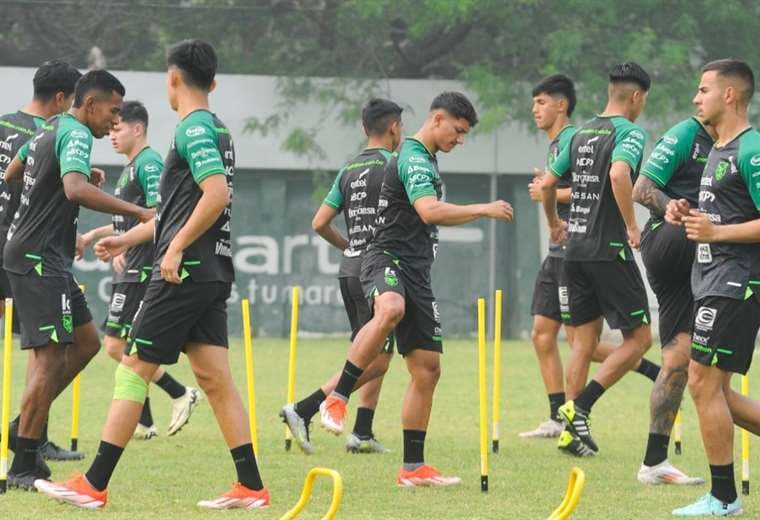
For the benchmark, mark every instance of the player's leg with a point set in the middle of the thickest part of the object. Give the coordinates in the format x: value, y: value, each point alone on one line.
x: 362, y: 438
x: 745, y: 411
x: 646, y: 368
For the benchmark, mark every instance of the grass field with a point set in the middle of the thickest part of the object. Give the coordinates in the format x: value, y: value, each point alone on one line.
x: 165, y: 477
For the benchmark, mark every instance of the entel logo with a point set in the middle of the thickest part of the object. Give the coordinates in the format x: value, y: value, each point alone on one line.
x: 195, y: 131
x: 755, y: 161
x: 669, y: 139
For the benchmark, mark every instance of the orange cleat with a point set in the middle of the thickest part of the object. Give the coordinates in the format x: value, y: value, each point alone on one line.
x: 425, y: 476
x: 333, y: 414
x: 77, y: 492
x: 239, y: 497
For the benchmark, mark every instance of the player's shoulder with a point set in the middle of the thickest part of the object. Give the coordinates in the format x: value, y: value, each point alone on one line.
x: 149, y: 160
x: 413, y: 151
x: 565, y: 136
x: 627, y: 127
x: 682, y: 132
x: 199, y: 124
x: 71, y: 128
x: 749, y: 150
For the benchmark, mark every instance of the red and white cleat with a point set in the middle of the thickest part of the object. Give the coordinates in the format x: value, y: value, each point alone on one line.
x: 425, y: 476
x: 332, y: 411
x: 666, y: 473
x: 239, y: 497
x: 77, y: 492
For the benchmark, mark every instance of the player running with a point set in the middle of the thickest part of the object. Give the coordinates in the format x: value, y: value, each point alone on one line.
x: 355, y: 192
x: 603, y: 280
x: 553, y: 104
x: 396, y: 277
x: 185, y: 307
x: 137, y: 184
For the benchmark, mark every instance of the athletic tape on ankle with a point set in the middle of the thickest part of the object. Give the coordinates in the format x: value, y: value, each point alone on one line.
x: 129, y: 386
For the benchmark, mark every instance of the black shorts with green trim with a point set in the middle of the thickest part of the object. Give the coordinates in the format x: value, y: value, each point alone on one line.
x: 420, y: 328
x: 174, y: 315
x: 357, y: 308
x: 550, y: 291
x: 611, y: 289
x: 725, y: 330
x: 6, y: 292
x: 125, y: 300
x: 49, y: 307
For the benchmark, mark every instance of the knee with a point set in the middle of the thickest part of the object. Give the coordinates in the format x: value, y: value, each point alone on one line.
x: 390, y: 312
x: 644, y: 337
x: 210, y: 379
x: 114, y: 347
x: 427, y: 375
x: 697, y: 382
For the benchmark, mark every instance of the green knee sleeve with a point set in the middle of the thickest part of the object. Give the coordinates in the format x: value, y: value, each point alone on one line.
x: 129, y: 386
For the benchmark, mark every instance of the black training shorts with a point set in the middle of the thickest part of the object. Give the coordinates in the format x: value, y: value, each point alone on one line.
x: 125, y: 300
x: 550, y: 291
x: 357, y: 308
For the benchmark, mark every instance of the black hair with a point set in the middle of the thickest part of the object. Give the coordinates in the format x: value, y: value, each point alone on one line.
x: 134, y: 112
x: 53, y: 77
x: 379, y: 114
x: 738, y: 69
x: 631, y: 72
x: 457, y: 105
x: 100, y: 81
x: 197, y: 61
x: 558, y: 85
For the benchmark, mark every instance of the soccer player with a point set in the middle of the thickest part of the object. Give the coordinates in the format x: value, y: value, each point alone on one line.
x: 396, y: 276
x: 53, y: 94
x: 185, y: 307
x: 355, y: 192
x: 603, y: 280
x: 725, y: 275
x: 55, y: 321
x: 672, y: 172
x: 137, y: 184
x: 553, y: 104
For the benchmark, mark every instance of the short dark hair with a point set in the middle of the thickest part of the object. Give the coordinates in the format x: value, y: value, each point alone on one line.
x: 100, y: 81
x: 52, y: 77
x: 197, y: 61
x: 734, y: 68
x: 134, y: 112
x: 379, y: 114
x: 631, y: 72
x: 456, y: 104
x: 558, y: 85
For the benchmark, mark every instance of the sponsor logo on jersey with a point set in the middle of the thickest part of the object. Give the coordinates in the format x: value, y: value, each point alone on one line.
x: 755, y: 161
x: 705, y: 318
x: 195, y: 131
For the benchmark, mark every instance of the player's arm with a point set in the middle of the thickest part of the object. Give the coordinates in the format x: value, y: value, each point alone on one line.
x: 322, y: 225
x: 622, y: 190
x: 433, y: 211
x: 96, y: 234
x: 77, y: 187
x: 15, y: 171
x: 559, y: 168
x: 535, y: 189
x: 111, y: 246
x: 649, y: 195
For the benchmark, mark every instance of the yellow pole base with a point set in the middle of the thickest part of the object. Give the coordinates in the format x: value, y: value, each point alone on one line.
x: 575, y: 485
x: 308, y: 485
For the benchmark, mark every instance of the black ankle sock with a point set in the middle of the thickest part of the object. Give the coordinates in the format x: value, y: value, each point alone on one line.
x: 309, y: 406
x: 146, y: 418
x: 657, y: 449
x: 723, y: 484
x: 26, y: 455
x: 648, y: 369
x: 555, y: 401
x: 104, y: 465
x: 363, y: 425
x: 414, y: 446
x: 585, y: 401
x: 171, y: 386
x: 245, y: 464
x: 351, y: 373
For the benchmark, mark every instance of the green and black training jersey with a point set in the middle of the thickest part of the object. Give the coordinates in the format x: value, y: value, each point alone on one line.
x: 730, y: 194
x: 409, y: 175
x: 596, y: 230
x: 137, y: 184
x: 202, y: 147
x: 15, y: 130
x: 42, y: 235
x: 678, y: 160
x: 563, y: 210
x: 355, y: 192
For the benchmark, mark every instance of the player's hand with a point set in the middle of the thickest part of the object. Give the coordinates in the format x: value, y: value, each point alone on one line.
x: 499, y: 209
x: 109, y: 247
x: 676, y: 210
x: 118, y: 263
x: 97, y: 177
x: 79, y: 247
x: 699, y: 228
x: 558, y: 232
x: 146, y: 214
x: 534, y: 188
x: 634, y: 237
x: 170, y: 265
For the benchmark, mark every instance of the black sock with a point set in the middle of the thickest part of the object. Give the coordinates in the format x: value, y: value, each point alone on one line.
x: 245, y: 464
x: 657, y: 449
x: 363, y: 425
x: 171, y: 386
x: 309, y: 406
x: 723, y: 484
x: 648, y: 369
x: 351, y: 373
x: 26, y: 455
x: 585, y: 401
x: 146, y: 418
x: 104, y: 465
x: 414, y: 447
x: 555, y: 401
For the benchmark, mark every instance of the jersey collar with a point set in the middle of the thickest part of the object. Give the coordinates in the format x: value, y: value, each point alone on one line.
x: 421, y: 144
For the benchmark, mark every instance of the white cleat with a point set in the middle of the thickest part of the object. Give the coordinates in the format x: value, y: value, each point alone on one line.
x: 666, y: 473
x: 425, y: 476
x: 550, y: 429
x: 297, y: 427
x: 239, y: 497
x: 332, y: 413
x: 145, y: 433
x: 182, y: 408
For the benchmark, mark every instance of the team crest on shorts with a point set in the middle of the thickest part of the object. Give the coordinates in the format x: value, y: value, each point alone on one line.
x: 391, y: 280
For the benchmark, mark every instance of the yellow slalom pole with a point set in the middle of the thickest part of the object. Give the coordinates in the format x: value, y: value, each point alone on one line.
x: 6, y: 413
x: 496, y: 371
x: 482, y: 392
x: 294, y: 302
x: 76, y: 394
x: 249, y: 375
x: 677, y: 433
x: 745, y: 444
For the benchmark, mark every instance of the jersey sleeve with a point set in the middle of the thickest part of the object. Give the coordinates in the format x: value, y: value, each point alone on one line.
x: 149, y: 175
x: 23, y: 152
x: 749, y: 167
x: 417, y: 173
x: 670, y: 153
x: 629, y: 146
x: 561, y: 164
x: 334, y: 197
x: 74, y: 148
x: 196, y: 142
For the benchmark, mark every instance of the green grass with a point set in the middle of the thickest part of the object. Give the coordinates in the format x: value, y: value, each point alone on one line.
x: 165, y: 477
